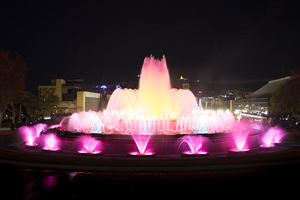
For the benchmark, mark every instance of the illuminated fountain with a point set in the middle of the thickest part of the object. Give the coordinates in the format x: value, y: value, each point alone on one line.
x: 154, y: 108
x: 89, y: 146
x: 195, y: 143
x: 141, y: 141
x: 271, y: 137
x: 30, y: 134
x: 51, y: 143
x: 40, y: 128
x: 240, y: 135
x: 85, y: 122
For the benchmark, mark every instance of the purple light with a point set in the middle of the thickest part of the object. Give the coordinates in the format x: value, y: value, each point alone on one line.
x: 87, y: 152
x: 141, y: 141
x: 273, y: 136
x: 135, y: 153
x: 29, y: 134
x: 51, y: 142
x: 39, y: 128
x: 237, y: 150
x: 89, y: 145
x: 240, y: 135
x: 195, y: 143
x: 31, y: 144
x: 198, y: 153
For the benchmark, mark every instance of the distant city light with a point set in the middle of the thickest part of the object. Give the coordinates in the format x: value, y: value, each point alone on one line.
x: 103, y: 86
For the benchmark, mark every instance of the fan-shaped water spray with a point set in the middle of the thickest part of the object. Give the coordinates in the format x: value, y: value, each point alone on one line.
x: 272, y: 136
x: 51, y: 142
x: 89, y: 145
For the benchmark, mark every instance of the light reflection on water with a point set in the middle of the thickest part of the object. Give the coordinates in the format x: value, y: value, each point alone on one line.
x: 50, y: 184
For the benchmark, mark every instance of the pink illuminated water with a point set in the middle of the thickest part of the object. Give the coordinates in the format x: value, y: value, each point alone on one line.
x: 89, y: 145
x: 141, y: 141
x: 155, y: 108
x: 240, y: 135
x: 29, y: 135
x: 271, y: 136
x: 195, y: 143
x: 51, y: 142
x: 86, y: 122
x: 40, y: 128
x: 155, y: 97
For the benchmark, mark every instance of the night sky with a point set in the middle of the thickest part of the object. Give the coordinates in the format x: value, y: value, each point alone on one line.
x: 209, y: 40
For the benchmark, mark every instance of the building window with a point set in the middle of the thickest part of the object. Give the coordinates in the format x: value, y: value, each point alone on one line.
x: 185, y: 86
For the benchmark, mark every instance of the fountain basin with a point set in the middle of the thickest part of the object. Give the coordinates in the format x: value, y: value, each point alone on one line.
x: 162, y: 145
x: 266, y: 147
x: 236, y: 151
x: 194, y: 154
x: 31, y: 145
x: 82, y: 152
x: 138, y: 154
x: 45, y: 149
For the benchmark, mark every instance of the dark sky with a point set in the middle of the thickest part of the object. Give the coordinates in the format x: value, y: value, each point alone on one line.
x: 207, y: 40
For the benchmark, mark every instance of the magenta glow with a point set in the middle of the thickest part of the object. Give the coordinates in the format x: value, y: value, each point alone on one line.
x: 51, y: 142
x: 195, y: 153
x: 237, y: 150
x: 240, y: 135
x: 89, y: 145
x: 141, y: 141
x: 271, y: 136
x: 135, y: 153
x: 39, y: 128
x: 29, y: 135
x: 195, y: 143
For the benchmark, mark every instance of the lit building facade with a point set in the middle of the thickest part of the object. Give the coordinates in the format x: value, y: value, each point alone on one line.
x: 74, y: 96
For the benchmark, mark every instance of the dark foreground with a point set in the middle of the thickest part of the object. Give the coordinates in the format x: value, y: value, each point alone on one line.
x: 260, y: 182
x: 32, y: 175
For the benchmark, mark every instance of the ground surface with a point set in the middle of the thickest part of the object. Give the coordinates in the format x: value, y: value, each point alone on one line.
x: 72, y: 176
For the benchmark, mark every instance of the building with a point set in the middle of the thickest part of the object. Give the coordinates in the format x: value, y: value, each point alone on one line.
x: 74, y: 95
x: 256, y: 105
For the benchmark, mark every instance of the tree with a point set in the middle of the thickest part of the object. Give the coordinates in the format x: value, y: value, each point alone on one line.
x: 43, y: 104
x: 287, y: 98
x: 13, y: 73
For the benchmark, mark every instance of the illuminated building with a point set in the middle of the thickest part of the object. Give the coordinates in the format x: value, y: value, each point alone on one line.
x: 74, y: 95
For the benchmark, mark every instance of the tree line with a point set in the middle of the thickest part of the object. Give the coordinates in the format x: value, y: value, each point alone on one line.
x: 14, y: 100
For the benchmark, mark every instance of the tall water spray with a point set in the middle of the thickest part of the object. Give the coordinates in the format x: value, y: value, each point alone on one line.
x: 155, y: 97
x: 154, y: 108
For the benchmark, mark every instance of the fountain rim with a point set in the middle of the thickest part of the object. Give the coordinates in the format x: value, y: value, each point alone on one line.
x: 124, y: 135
